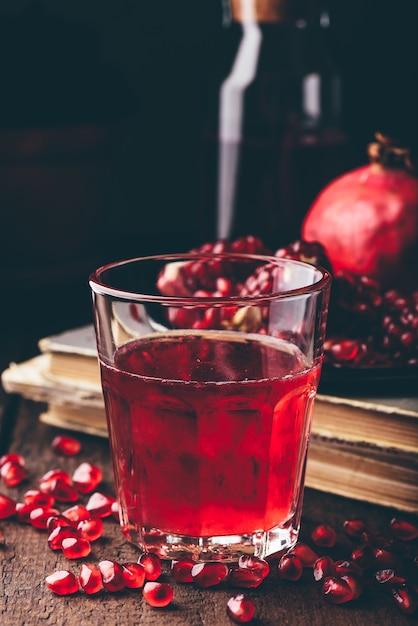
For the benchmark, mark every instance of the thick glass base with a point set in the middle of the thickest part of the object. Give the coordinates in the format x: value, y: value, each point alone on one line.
x: 225, y: 548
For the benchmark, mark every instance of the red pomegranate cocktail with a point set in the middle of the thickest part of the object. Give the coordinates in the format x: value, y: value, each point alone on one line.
x: 209, y: 398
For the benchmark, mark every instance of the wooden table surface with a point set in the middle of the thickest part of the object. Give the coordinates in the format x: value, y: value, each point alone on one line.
x: 25, y: 559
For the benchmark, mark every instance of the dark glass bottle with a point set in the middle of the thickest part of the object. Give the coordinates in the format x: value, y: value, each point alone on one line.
x: 273, y: 136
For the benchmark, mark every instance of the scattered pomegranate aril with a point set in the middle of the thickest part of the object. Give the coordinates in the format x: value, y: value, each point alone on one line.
x: 158, y: 594
x: 151, y: 564
x: 76, y: 513
x: 12, y: 473
x: 59, y: 521
x: 58, y: 534
x: 336, y: 590
x: 354, y: 528
x: 87, y: 477
x: 181, y: 570
x: 306, y: 555
x: 112, y: 575
x: 355, y: 584
x: 62, y: 491
x: 323, y: 567
x: 91, y: 528
x: 64, y: 445
x: 62, y: 582
x: 403, y: 530
x: 39, y: 517
x: 324, y: 536
x: 363, y: 556
x: 38, y: 498
x: 23, y: 512
x: 100, y: 504
x: 12, y: 457
x: 255, y: 564
x: 383, y: 559
x: 51, y: 476
x: 290, y: 567
x: 7, y: 506
x: 75, y: 547
x: 344, y: 566
x: 242, y: 577
x: 389, y: 578
x: 405, y: 598
x: 133, y: 575
x: 90, y: 579
x: 240, y: 609
x: 209, y: 574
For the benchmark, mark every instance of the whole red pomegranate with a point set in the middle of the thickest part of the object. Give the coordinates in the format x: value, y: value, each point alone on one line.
x: 367, y: 219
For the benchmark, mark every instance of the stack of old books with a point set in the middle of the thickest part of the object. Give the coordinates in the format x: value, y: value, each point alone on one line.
x: 362, y: 448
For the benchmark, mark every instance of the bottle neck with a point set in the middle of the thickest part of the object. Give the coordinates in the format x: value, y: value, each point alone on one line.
x: 272, y: 11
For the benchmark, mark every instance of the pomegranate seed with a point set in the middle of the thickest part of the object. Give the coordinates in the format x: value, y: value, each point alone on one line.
x: 354, y: 583
x: 12, y: 457
x: 23, y: 512
x: 38, y: 498
x: 375, y: 540
x: 158, y: 594
x: 152, y: 565
x: 336, y: 590
x: 348, y: 567
x: 75, y: 547
x: 383, y: 559
x: 323, y: 568
x: 87, y: 477
x: 7, y: 506
x: 112, y: 575
x: 115, y: 511
x: 305, y: 554
x: 63, y: 492
x: 254, y: 563
x: 39, y: 517
x: 209, y: 574
x: 76, y: 513
x: 290, y: 567
x: 59, y: 521
x: 181, y: 570
x: 91, y: 528
x: 66, y: 446
x: 354, y: 528
x: 58, y: 534
x: 100, y: 504
x: 362, y: 556
x: 324, y: 536
x: 388, y: 578
x: 405, y: 599
x: 50, y: 477
x: 90, y: 578
x: 133, y: 575
x: 242, y: 577
x: 240, y: 609
x: 403, y: 530
x: 62, y: 583
x: 12, y: 473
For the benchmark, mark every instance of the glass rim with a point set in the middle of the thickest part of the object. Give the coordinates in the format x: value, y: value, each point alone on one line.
x: 100, y: 287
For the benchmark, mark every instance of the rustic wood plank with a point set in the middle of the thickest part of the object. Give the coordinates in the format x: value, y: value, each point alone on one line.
x: 25, y: 560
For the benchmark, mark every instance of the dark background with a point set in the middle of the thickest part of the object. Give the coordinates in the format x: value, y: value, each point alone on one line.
x: 100, y: 112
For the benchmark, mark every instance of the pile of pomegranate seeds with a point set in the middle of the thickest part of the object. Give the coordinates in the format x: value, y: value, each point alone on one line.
x: 387, y: 561
x: 368, y: 326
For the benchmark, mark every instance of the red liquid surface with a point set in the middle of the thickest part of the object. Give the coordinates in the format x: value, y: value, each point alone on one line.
x: 209, y: 434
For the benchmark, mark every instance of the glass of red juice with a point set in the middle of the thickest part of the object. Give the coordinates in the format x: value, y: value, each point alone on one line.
x: 210, y: 365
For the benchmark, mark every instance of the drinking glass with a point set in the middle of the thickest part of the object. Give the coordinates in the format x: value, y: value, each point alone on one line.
x: 210, y: 365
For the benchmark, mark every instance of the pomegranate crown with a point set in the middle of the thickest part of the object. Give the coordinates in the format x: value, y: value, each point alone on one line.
x: 387, y: 152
